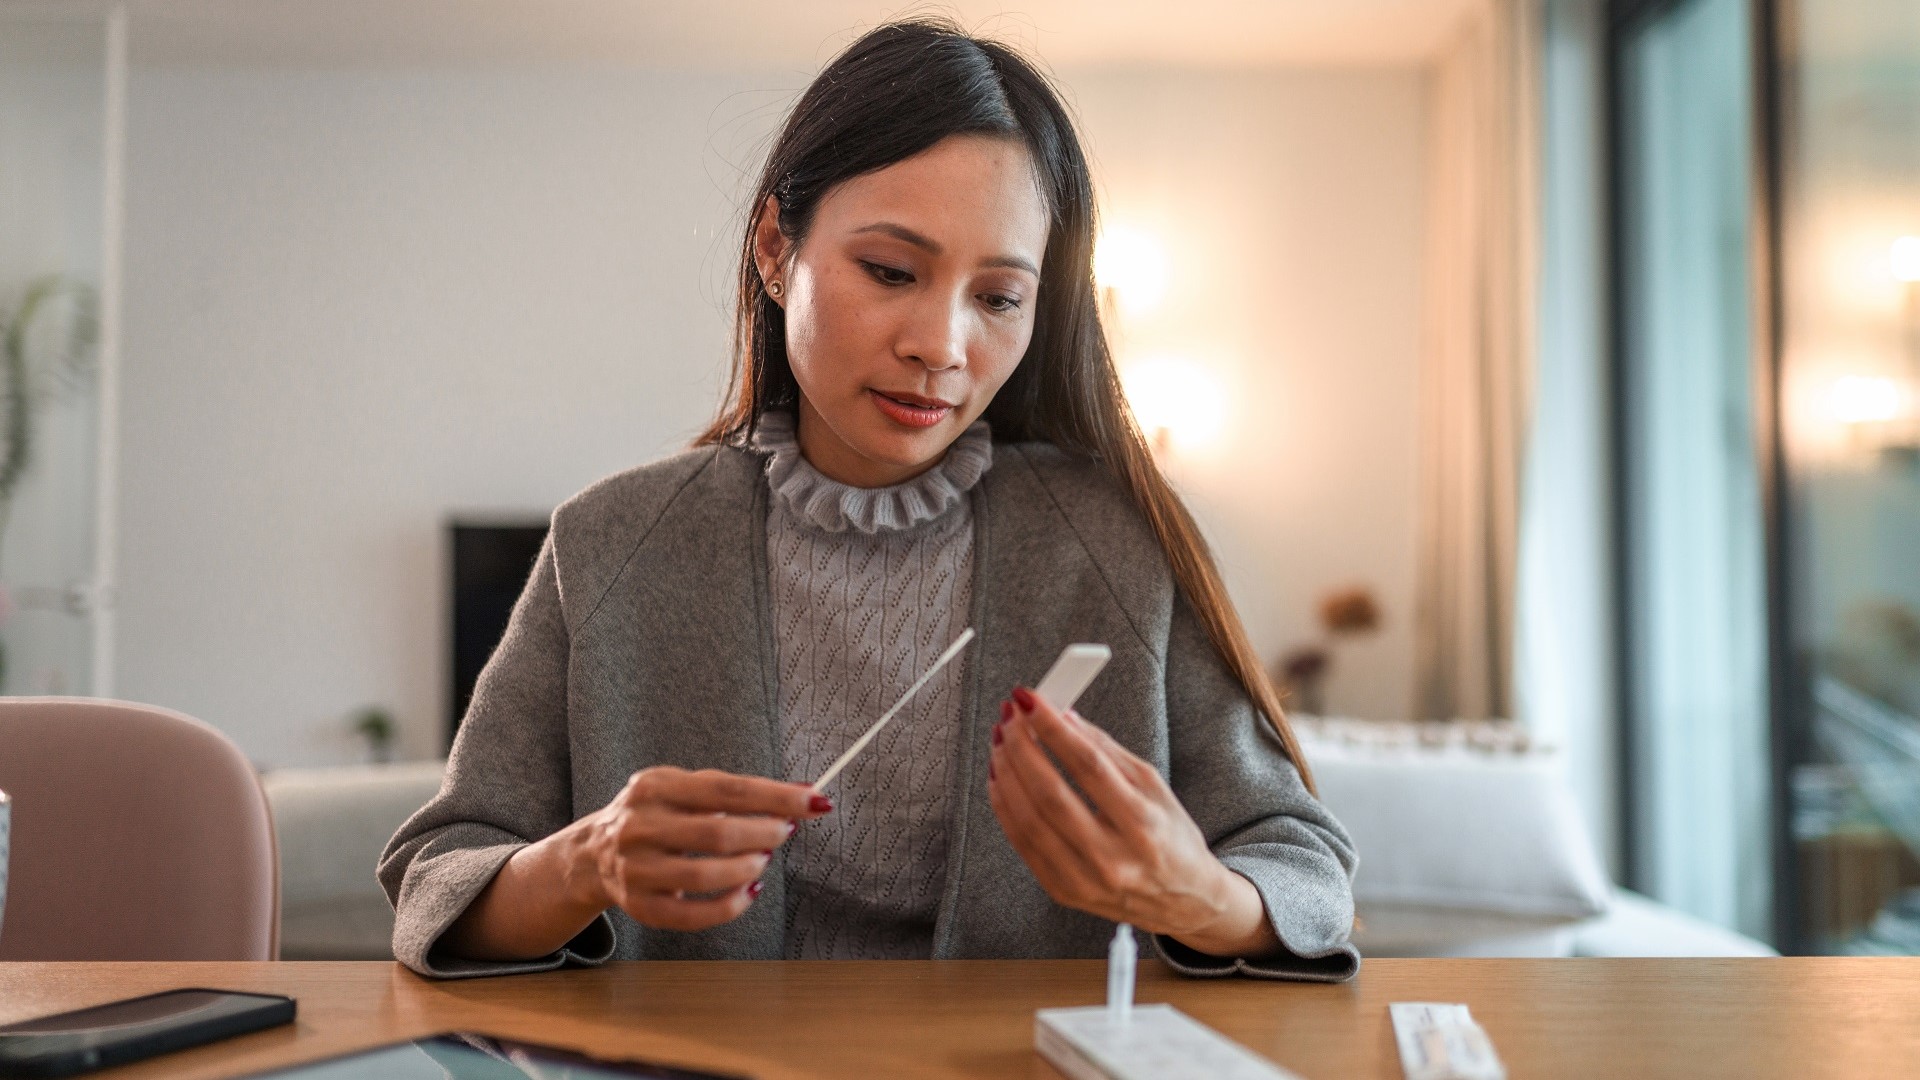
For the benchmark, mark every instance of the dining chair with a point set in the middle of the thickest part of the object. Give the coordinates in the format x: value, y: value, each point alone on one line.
x: 138, y: 833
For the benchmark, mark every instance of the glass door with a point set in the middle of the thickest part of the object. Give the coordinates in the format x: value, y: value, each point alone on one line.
x: 60, y: 80
x: 1850, y: 356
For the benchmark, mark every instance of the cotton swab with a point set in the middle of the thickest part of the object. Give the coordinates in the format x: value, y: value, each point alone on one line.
x: 860, y: 744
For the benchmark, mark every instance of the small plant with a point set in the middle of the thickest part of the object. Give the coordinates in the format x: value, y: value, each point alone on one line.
x: 375, y: 724
x: 1302, y: 672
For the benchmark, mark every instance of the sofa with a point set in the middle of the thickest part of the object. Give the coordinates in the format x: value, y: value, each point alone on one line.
x: 332, y: 824
x: 1470, y: 842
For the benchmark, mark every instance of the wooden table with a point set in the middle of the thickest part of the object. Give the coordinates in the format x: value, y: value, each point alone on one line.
x: 1797, y: 1017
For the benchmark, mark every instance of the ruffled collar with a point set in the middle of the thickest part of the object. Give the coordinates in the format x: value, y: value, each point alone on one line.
x: 833, y: 506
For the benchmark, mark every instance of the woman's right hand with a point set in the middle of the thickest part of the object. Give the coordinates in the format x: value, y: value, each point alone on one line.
x: 682, y: 850
x: 675, y: 849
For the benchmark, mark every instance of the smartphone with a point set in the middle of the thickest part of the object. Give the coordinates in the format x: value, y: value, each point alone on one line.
x: 123, y: 1031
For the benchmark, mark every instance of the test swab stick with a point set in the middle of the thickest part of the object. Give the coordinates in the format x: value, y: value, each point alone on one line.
x: 860, y: 744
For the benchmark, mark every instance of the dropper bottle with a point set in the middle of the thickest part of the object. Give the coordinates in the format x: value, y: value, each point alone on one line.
x: 1122, y: 955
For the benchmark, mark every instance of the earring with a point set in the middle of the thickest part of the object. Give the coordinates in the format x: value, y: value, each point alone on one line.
x: 773, y: 289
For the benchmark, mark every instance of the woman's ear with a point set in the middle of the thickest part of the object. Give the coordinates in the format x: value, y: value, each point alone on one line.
x: 770, y: 249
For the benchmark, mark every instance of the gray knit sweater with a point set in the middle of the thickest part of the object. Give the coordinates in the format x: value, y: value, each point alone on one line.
x: 868, y: 586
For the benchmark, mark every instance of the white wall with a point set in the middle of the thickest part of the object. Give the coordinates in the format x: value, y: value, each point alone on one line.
x: 358, y: 301
x: 1290, y: 204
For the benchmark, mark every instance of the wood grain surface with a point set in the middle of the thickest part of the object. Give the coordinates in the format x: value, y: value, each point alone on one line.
x: 1797, y: 1017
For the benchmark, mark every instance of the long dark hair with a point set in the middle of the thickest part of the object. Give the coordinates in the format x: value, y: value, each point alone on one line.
x: 896, y: 91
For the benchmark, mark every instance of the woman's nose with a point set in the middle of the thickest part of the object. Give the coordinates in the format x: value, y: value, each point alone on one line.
x: 936, y: 335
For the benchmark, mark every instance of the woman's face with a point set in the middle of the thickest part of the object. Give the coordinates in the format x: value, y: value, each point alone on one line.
x: 909, y: 303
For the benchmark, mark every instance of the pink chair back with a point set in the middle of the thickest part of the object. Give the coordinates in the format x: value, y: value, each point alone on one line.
x: 138, y: 834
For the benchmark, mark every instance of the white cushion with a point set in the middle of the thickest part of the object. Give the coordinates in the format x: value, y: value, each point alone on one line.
x: 1468, y: 835
x: 1637, y: 926
x: 332, y: 824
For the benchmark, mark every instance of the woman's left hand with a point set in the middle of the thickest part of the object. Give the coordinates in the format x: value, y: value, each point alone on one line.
x: 1134, y: 855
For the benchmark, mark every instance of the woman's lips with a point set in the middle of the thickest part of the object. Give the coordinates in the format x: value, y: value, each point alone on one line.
x: 909, y: 413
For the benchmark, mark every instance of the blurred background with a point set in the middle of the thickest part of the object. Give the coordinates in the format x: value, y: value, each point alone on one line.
x: 1552, y: 365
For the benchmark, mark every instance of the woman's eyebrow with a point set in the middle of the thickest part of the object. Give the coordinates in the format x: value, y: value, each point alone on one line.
x: 932, y: 246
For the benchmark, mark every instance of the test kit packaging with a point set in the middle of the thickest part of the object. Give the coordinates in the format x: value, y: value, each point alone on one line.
x: 1440, y: 1041
x: 1153, y: 1042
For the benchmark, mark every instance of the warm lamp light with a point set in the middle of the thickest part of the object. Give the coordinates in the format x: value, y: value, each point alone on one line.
x: 1904, y: 259
x: 1867, y: 399
x: 1175, y: 401
x: 1132, y: 265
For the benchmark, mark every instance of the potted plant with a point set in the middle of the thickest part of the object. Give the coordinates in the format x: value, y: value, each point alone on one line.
x: 375, y: 724
x: 39, y: 362
x: 1344, y: 613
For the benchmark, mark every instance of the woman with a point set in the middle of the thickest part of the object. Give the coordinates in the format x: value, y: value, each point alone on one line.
x: 925, y: 433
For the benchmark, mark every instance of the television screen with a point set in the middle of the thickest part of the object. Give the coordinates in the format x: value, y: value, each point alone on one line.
x: 491, y: 563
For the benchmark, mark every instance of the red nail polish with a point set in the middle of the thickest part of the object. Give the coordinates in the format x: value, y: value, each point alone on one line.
x: 1006, y: 711
x: 768, y: 853
x: 1025, y: 697
x: 819, y: 804
x: 996, y: 735
x: 792, y: 826
x: 753, y: 889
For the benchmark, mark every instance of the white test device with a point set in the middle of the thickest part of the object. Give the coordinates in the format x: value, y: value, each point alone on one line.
x: 1072, y: 673
x: 1159, y: 1043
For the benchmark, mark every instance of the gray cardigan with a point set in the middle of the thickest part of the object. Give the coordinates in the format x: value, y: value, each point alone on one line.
x: 643, y: 638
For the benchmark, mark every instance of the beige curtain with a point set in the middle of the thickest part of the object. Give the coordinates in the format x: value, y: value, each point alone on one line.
x: 1476, y: 358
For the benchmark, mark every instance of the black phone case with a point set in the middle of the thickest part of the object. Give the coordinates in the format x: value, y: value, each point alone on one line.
x: 119, y: 1046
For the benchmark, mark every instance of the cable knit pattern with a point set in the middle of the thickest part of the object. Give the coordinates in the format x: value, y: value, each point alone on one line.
x: 835, y: 507
x: 869, y: 586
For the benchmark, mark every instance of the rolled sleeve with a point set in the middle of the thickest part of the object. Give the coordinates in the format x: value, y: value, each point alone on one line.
x: 1233, y: 776
x: 508, y: 783
x: 1335, y: 960
x: 446, y: 871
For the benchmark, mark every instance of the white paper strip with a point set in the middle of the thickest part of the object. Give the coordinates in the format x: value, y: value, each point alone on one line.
x: 1441, y: 1042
